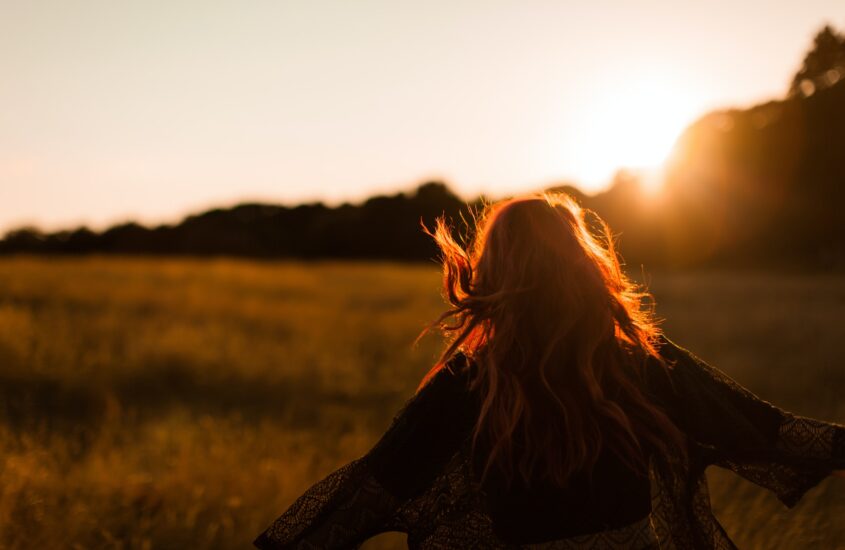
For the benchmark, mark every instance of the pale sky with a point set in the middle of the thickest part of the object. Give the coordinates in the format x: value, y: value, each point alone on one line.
x: 149, y: 110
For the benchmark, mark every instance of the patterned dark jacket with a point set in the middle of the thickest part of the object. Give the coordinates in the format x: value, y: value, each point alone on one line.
x: 420, y: 478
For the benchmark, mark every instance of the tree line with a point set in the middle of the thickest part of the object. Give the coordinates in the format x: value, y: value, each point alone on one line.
x: 763, y: 185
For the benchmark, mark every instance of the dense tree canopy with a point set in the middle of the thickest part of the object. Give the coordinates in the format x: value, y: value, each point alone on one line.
x: 824, y: 64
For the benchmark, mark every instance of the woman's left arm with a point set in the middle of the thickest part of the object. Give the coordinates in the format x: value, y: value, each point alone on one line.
x: 341, y: 511
x: 366, y: 497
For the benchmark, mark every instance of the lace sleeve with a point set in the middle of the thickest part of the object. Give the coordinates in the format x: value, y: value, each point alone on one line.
x: 341, y: 511
x: 366, y: 496
x: 785, y: 453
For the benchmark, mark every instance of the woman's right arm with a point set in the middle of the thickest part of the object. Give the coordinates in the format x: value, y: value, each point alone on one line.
x: 784, y: 452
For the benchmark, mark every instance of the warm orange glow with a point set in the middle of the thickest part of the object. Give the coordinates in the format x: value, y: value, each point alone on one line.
x: 633, y: 126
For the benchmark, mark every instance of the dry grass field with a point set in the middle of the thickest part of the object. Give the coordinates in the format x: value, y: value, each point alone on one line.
x: 185, y: 403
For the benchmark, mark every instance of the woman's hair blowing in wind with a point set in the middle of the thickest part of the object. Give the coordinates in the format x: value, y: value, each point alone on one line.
x: 559, y: 336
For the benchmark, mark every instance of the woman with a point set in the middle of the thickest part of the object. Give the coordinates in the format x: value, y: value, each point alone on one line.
x: 558, y: 416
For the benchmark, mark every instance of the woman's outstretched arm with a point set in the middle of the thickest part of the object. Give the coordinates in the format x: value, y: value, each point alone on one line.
x: 366, y: 497
x: 784, y: 452
x: 340, y: 511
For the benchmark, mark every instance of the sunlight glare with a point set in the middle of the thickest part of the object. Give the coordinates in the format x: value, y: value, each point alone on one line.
x: 634, y: 127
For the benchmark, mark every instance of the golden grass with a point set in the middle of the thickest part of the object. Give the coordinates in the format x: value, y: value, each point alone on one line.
x: 185, y: 403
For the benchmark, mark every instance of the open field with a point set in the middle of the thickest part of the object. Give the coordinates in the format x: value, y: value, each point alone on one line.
x: 185, y: 403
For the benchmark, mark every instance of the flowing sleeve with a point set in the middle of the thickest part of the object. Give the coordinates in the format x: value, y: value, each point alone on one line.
x: 783, y: 452
x: 366, y: 497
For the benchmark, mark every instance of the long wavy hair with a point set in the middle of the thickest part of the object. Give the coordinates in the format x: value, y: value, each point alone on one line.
x: 559, y: 336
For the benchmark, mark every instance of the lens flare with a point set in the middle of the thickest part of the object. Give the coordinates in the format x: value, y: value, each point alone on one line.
x: 631, y: 127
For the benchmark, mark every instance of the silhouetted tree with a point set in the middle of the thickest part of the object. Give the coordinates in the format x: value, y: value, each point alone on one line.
x: 824, y: 64
x: 23, y: 239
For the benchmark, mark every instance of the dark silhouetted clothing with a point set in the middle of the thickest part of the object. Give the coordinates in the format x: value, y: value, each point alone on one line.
x: 421, y: 478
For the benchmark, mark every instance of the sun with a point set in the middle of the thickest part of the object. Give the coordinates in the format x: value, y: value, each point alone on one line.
x: 633, y: 126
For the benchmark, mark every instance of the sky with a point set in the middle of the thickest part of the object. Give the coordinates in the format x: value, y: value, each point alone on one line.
x: 115, y: 111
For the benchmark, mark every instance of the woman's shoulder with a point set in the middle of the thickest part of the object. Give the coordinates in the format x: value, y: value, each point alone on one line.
x: 444, y: 401
x: 667, y: 375
x: 453, y: 375
x: 680, y: 366
x: 675, y: 353
x: 426, y: 432
x: 443, y: 393
x: 672, y: 359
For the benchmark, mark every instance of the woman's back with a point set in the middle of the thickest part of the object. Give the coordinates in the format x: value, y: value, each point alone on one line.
x: 421, y: 477
x: 609, y: 496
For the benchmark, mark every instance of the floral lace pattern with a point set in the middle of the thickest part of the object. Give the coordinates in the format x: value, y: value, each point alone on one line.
x: 806, y: 437
x: 334, y: 513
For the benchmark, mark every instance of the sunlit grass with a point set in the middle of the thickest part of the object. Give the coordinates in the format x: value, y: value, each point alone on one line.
x: 185, y: 403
